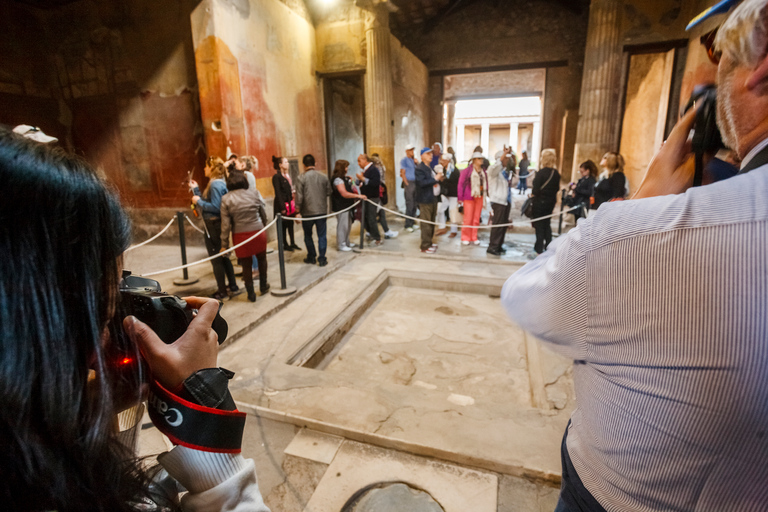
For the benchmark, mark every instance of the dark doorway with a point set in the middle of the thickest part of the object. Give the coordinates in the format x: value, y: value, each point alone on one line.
x: 345, y: 118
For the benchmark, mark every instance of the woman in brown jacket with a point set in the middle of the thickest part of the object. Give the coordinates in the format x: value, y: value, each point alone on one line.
x: 243, y: 213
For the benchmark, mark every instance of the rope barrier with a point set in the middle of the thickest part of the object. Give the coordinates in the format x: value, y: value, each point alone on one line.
x: 485, y: 226
x: 193, y: 224
x: 334, y: 214
x: 222, y: 253
x: 153, y: 238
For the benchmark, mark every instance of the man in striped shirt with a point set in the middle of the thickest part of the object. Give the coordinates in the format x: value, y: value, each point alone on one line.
x: 662, y: 303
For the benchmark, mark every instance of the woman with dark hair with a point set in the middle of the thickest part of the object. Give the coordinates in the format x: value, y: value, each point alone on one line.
x: 285, y: 203
x: 59, y: 278
x: 613, y: 183
x: 581, y: 192
x: 544, y: 197
x: 210, y: 202
x: 243, y: 212
x: 342, y: 197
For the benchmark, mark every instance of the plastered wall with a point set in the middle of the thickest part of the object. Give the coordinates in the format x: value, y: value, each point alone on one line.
x: 115, y: 82
x: 261, y: 95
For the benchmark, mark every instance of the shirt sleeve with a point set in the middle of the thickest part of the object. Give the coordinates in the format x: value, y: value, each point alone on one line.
x: 217, y: 482
x: 548, y: 297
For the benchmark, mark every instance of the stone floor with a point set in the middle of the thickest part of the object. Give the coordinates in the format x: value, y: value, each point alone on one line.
x: 434, y: 388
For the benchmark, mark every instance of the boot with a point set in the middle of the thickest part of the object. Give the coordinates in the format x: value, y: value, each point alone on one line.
x: 251, y: 292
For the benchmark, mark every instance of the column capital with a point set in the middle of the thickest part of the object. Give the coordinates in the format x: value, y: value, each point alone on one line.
x: 376, y: 12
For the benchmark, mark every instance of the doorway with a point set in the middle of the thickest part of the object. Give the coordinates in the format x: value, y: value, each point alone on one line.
x: 344, y: 118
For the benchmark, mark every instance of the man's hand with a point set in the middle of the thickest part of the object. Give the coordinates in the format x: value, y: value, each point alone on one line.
x: 197, y: 348
x: 360, y: 176
x: 671, y: 170
x: 402, y: 175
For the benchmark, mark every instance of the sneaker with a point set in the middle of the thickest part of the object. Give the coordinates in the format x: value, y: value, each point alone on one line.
x: 264, y: 290
x: 351, y: 244
x: 391, y: 234
x: 409, y: 230
x: 368, y: 236
x: 345, y: 248
x: 322, y: 262
x: 476, y: 242
x: 431, y: 250
x: 465, y: 242
x: 309, y: 260
x: 494, y: 252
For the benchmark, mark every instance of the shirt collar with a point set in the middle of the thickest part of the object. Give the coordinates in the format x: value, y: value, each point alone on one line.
x: 367, y: 166
x: 754, y: 152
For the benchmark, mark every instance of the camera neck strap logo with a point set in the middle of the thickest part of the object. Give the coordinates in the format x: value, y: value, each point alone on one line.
x: 195, y: 426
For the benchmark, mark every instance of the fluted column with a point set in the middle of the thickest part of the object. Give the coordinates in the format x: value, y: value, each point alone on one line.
x: 379, y: 109
x: 599, y: 108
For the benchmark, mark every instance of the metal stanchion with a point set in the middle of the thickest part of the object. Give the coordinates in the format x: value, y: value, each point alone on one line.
x: 186, y: 280
x: 562, y: 204
x: 362, y: 226
x: 284, y: 290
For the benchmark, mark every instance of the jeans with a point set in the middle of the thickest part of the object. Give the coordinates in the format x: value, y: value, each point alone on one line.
x: 410, y: 203
x: 427, y: 212
x: 322, y: 242
x: 382, y: 216
x: 574, y: 496
x: 343, y: 226
x: 221, y: 266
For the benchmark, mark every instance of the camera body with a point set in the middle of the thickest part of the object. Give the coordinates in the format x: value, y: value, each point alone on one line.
x: 706, y: 134
x: 166, y: 314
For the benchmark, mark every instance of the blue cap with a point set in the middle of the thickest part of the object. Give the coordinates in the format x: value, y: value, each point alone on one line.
x: 719, y: 8
x: 426, y: 150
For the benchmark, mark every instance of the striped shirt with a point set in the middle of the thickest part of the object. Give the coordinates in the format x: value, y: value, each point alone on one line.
x: 662, y: 303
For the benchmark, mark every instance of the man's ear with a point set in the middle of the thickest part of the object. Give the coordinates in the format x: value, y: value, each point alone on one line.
x: 759, y: 74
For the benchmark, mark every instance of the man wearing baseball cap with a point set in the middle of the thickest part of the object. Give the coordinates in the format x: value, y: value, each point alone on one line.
x: 662, y: 303
x: 408, y: 175
x: 427, y: 195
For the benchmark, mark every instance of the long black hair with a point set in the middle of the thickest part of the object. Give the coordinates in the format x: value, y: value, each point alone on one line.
x: 63, y: 233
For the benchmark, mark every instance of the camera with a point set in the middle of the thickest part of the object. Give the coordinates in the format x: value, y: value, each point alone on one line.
x: 167, y: 315
x: 706, y: 134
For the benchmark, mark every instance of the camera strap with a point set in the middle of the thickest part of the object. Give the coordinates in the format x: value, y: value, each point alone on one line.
x: 195, y: 426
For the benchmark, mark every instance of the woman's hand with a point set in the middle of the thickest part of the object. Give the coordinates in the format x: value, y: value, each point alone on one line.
x: 192, y: 184
x: 671, y: 170
x: 195, y: 199
x: 196, y: 350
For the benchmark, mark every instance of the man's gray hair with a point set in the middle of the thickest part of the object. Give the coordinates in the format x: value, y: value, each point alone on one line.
x: 743, y: 36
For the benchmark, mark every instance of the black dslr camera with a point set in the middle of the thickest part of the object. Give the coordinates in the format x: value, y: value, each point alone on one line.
x: 706, y: 134
x: 167, y: 315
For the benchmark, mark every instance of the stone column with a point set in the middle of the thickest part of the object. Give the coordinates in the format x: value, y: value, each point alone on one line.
x: 485, y: 139
x: 513, y: 138
x: 379, y: 109
x: 599, y: 110
x: 460, y: 142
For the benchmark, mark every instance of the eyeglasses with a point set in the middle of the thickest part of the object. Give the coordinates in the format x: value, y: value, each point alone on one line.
x: 708, y: 40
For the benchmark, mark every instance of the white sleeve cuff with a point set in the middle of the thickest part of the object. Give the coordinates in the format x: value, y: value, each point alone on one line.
x: 199, y: 471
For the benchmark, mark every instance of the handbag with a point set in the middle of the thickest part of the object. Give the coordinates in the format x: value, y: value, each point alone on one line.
x: 527, y: 208
x: 290, y: 208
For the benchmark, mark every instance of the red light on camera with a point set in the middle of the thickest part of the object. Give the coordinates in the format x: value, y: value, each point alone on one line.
x: 126, y: 360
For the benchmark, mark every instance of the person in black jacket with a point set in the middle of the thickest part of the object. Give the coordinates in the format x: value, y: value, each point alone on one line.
x: 370, y: 181
x: 544, y: 197
x: 613, y: 182
x: 284, y: 203
x: 582, y: 191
